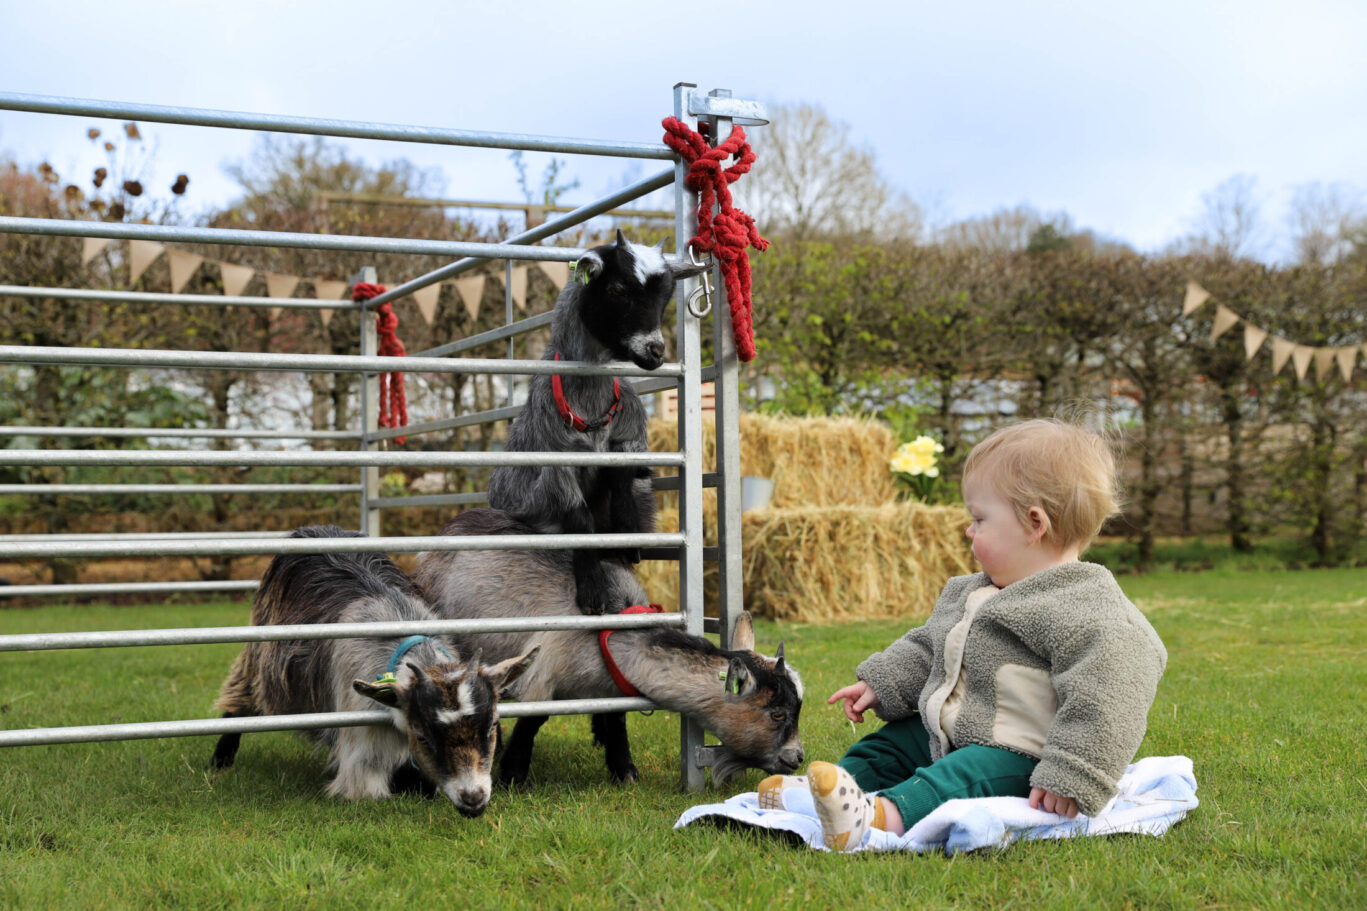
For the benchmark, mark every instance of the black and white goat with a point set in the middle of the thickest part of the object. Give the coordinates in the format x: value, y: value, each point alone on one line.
x: 611, y: 311
x: 444, y: 710
x: 750, y: 702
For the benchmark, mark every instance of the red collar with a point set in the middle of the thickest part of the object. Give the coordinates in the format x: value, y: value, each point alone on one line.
x: 575, y: 420
x: 618, y: 677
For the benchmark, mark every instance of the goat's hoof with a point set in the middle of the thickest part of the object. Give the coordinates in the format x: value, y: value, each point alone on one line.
x: 629, y: 775
x: 593, y: 609
x: 512, y: 780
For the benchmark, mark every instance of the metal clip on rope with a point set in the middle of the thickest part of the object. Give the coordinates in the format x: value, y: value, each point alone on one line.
x: 703, y: 291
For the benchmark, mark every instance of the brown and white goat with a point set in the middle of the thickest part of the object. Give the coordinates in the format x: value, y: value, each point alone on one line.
x: 750, y: 702
x: 444, y: 711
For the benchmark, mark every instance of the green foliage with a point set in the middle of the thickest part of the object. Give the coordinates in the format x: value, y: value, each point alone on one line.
x: 1259, y: 665
x: 393, y: 484
x: 1047, y: 238
x: 1197, y: 554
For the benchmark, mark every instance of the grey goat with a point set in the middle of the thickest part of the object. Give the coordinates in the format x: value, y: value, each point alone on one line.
x: 444, y: 711
x: 611, y: 311
x: 750, y: 702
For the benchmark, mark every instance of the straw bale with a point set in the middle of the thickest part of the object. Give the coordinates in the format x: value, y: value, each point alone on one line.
x: 836, y: 562
x: 813, y: 462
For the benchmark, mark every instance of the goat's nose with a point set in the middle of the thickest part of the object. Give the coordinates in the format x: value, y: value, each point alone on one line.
x: 471, y: 797
x: 656, y: 349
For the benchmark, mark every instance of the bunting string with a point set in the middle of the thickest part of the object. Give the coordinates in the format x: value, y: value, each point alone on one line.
x: 184, y: 266
x: 1325, y: 359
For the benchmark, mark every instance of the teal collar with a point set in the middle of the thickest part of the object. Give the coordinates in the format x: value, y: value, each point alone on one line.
x: 403, y: 649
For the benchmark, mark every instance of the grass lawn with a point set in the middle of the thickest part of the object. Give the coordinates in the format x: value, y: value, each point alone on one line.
x: 1265, y: 691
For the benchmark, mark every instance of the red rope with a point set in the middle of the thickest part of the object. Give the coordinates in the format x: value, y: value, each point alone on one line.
x: 623, y: 684
x: 393, y: 403
x: 727, y: 233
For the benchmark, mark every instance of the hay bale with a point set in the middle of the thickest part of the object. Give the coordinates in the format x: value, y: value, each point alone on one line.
x: 813, y: 462
x: 835, y: 562
x: 852, y: 562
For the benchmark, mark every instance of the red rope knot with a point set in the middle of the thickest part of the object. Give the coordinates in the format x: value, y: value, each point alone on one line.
x: 393, y: 403
x: 727, y: 233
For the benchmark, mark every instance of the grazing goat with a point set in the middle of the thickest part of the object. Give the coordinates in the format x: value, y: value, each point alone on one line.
x: 750, y: 702
x: 444, y: 711
x: 610, y: 311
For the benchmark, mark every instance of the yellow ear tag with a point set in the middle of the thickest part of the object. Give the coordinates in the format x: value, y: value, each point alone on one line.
x: 386, y: 677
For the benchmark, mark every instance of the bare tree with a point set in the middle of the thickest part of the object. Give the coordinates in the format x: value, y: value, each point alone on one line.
x: 1229, y: 225
x: 812, y: 181
x: 1003, y: 231
x: 1321, y: 221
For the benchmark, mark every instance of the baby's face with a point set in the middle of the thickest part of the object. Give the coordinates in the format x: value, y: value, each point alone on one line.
x: 1000, y: 541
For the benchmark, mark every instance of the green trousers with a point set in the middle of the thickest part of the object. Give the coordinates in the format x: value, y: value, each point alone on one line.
x: 895, y: 761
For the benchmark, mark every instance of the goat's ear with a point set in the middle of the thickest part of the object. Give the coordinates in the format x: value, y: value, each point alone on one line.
x: 505, y: 673
x: 663, y: 241
x: 621, y: 239
x: 588, y: 267
x: 778, y: 660
x: 385, y: 692
x: 743, y: 636
x: 737, y: 678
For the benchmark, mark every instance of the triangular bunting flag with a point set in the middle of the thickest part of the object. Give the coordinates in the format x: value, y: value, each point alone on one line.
x: 427, y: 301
x: 1300, y: 359
x: 274, y: 313
x: 281, y: 285
x: 326, y: 316
x: 326, y: 290
x: 1281, y: 353
x: 141, y: 254
x: 1196, y: 296
x: 558, y: 273
x: 1347, y: 357
x: 1225, y: 320
x: 472, y: 292
x: 91, y: 247
x: 183, y: 268
x: 1253, y: 340
x: 235, y: 278
x: 518, y: 288
x: 1324, y: 362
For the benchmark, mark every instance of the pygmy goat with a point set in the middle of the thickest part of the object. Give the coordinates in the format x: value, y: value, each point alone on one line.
x: 750, y: 702
x: 444, y: 711
x: 612, y: 310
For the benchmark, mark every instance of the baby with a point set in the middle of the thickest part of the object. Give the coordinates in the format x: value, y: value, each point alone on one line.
x: 1032, y: 679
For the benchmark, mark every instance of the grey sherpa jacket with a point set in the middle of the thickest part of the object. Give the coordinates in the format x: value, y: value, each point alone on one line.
x: 1064, y: 644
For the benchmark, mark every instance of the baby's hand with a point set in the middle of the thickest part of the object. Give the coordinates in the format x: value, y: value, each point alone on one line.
x: 854, y: 699
x: 1053, y: 803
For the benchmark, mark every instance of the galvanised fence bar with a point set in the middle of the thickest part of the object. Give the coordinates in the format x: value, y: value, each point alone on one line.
x: 684, y: 377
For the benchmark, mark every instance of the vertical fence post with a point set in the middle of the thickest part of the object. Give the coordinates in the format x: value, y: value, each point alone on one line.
x: 726, y: 396
x: 370, y: 412
x: 508, y: 316
x: 690, y: 444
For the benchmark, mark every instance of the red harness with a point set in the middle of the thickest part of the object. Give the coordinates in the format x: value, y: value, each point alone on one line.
x: 574, y: 420
x: 618, y: 677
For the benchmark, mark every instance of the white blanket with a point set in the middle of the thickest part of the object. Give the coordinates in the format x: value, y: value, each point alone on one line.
x: 1154, y: 794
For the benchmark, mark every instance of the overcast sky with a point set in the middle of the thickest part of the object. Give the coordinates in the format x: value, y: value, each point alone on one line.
x: 1120, y: 114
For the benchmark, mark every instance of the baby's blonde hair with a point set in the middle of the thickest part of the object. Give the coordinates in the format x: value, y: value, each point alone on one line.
x: 1066, y: 470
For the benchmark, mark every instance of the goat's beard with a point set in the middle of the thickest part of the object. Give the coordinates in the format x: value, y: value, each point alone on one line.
x: 727, y: 766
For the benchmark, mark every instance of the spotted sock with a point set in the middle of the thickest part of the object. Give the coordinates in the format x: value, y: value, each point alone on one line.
x: 846, y: 812
x: 772, y: 788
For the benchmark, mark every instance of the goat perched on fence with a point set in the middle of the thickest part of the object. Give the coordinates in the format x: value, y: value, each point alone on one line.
x: 749, y: 701
x: 444, y: 710
x: 612, y: 310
